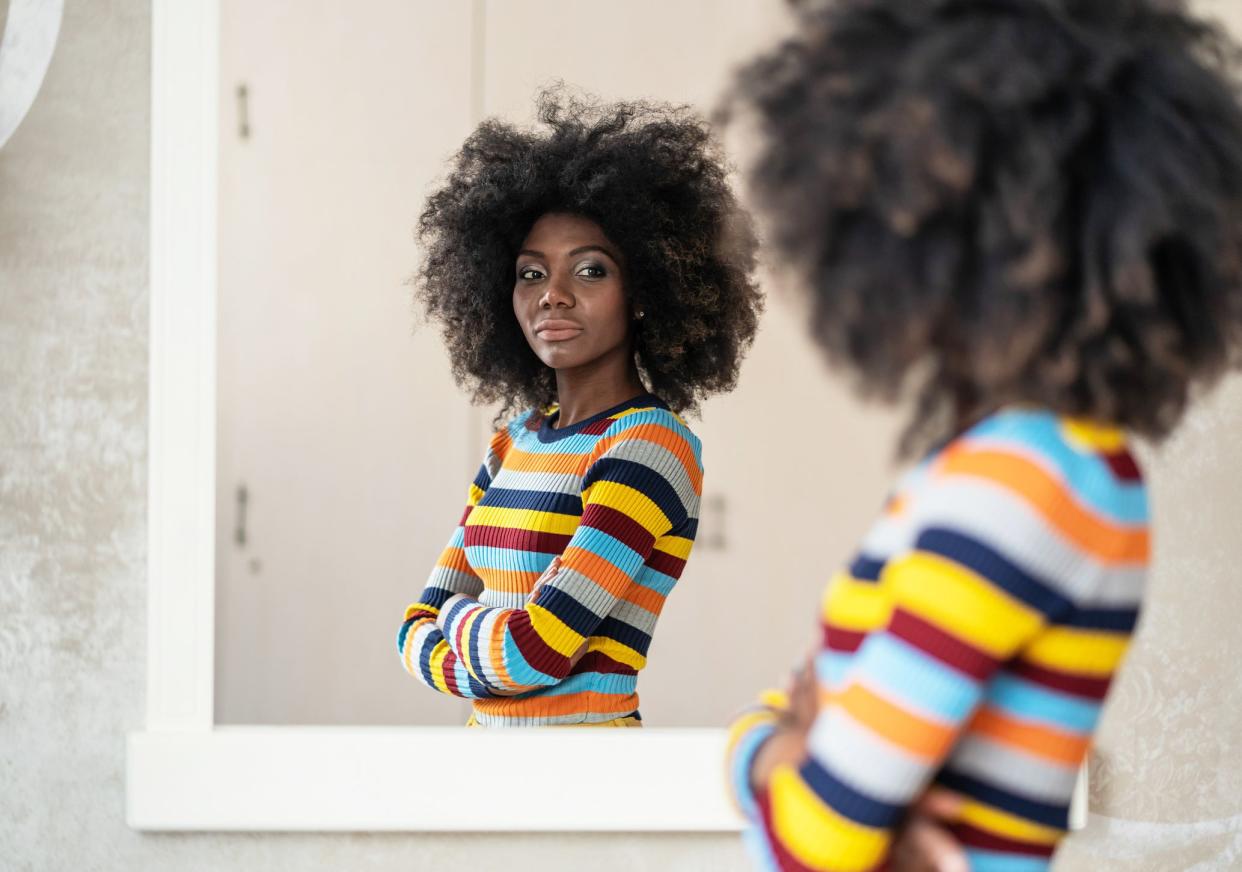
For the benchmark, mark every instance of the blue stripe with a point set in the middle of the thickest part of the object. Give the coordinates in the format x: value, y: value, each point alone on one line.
x: 482, y: 479
x: 1023, y: 699
x: 402, y: 633
x: 643, y: 479
x: 866, y: 568
x: 472, y: 648
x: 990, y: 861
x: 847, y: 801
x: 1087, y: 474
x: 626, y: 634
x: 1048, y: 814
x: 608, y: 547
x: 743, y: 760
x: 905, y: 674
x: 832, y: 666
x: 1120, y: 620
x: 572, y: 613
x: 521, y: 672
x: 538, y: 501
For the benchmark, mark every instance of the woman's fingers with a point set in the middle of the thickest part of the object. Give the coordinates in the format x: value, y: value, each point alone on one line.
x: 923, y: 846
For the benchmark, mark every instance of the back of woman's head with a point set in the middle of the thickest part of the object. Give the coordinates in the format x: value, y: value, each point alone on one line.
x: 999, y: 201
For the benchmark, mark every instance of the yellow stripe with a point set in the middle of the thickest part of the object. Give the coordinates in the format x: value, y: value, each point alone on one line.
x: 817, y: 835
x: 523, y: 519
x: 962, y: 603
x: 555, y: 633
x: 464, y: 656
x: 474, y: 495
x: 856, y: 605
x: 1092, y: 435
x: 1071, y: 649
x: 1004, y: 824
x: 629, y: 501
x: 614, y: 649
x: 676, y: 546
x: 436, y: 666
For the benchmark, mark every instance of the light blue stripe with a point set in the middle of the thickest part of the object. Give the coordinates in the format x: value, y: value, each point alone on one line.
x: 739, y: 769
x: 1088, y: 475
x: 613, y: 550
x: 653, y: 579
x: 906, y: 675
x: 756, y: 841
x: 1022, y: 699
x: 521, y: 672
x: 487, y: 557
x: 593, y: 681
x: 990, y: 861
x: 832, y: 666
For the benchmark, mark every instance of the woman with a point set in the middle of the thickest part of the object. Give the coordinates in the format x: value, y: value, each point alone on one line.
x: 598, y: 275
x: 1026, y: 214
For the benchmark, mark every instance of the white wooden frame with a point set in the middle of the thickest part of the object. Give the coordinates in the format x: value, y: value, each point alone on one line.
x: 185, y: 773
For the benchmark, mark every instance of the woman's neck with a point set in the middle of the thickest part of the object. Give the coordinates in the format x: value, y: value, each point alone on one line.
x: 588, y: 390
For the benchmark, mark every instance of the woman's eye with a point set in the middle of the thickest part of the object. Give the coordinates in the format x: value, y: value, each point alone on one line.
x: 529, y: 274
x: 592, y: 271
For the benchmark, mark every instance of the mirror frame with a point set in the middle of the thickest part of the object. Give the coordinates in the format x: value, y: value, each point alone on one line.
x: 186, y: 773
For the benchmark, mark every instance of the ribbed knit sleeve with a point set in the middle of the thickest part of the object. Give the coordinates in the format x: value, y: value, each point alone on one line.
x: 977, y: 653
x: 424, y: 652
x: 642, y: 482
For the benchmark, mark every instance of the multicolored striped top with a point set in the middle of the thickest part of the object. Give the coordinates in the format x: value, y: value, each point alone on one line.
x: 968, y: 647
x: 616, y: 496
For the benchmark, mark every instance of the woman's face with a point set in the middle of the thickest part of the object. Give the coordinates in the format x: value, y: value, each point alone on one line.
x: 568, y: 294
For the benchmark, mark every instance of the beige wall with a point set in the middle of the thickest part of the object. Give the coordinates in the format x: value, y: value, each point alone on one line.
x: 73, y: 310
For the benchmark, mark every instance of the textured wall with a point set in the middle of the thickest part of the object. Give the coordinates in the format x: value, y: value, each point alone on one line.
x: 73, y: 308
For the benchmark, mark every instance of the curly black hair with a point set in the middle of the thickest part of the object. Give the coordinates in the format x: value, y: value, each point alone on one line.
x: 1007, y: 201
x: 654, y: 179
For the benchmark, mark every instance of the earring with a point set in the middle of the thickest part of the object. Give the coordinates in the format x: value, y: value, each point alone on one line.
x: 638, y: 316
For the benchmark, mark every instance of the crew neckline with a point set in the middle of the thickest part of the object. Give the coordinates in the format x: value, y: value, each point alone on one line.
x: 548, y: 433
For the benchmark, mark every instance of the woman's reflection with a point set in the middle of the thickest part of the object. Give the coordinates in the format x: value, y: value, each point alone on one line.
x: 598, y: 275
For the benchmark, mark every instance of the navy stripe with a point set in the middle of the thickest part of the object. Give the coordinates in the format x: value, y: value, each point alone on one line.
x: 1121, y: 620
x: 643, y: 479
x: 540, y: 501
x: 472, y: 649
x: 572, y: 613
x: 847, y: 801
x: 434, y: 597
x: 482, y: 479
x: 1056, y: 816
x: 687, y: 529
x: 424, y: 659
x: 974, y: 555
x: 402, y: 633
x: 866, y: 568
x: 626, y: 634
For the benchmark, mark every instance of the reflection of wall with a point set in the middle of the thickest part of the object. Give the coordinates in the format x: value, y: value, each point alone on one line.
x: 73, y: 372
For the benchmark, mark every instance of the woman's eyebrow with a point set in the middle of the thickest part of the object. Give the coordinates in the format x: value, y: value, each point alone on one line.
x: 580, y: 249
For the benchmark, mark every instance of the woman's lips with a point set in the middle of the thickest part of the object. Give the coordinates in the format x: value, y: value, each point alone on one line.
x: 557, y: 331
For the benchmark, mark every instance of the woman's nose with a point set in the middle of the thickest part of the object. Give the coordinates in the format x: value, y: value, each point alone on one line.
x: 556, y: 295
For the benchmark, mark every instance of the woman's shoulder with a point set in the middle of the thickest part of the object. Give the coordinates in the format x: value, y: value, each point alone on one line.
x: 654, y: 419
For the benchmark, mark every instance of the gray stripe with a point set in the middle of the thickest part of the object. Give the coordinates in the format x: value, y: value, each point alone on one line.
x: 1014, y: 770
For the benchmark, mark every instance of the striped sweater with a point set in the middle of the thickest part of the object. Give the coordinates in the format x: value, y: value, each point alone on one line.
x: 617, y: 498
x: 968, y: 647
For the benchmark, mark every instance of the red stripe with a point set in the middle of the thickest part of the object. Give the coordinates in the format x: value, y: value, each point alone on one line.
x: 534, y: 649
x: 598, y: 661
x: 464, y: 515
x: 973, y: 837
x: 666, y: 563
x: 943, y: 646
x: 619, y: 526
x: 597, y: 427
x: 1079, y: 685
x: 516, y: 539
x: 450, y: 678
x: 786, y: 861
x: 1123, y: 466
x: 846, y: 641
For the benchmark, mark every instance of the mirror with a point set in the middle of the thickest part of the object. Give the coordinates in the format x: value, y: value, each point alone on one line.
x: 344, y: 447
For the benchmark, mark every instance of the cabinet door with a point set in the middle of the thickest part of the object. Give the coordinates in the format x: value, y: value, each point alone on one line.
x: 338, y: 417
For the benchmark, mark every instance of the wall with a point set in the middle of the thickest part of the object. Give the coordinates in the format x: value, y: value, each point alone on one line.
x: 73, y: 310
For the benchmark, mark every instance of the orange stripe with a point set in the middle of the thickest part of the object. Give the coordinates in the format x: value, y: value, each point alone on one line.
x: 497, y: 653
x: 645, y: 597
x: 455, y: 558
x: 911, y: 732
x: 665, y: 438
x: 1036, y: 739
x: 567, y: 704
x: 509, y: 580
x: 1108, y: 542
x: 525, y: 461
x: 599, y: 569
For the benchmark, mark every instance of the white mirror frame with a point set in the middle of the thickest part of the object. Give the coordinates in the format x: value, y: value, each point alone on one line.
x: 183, y: 772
